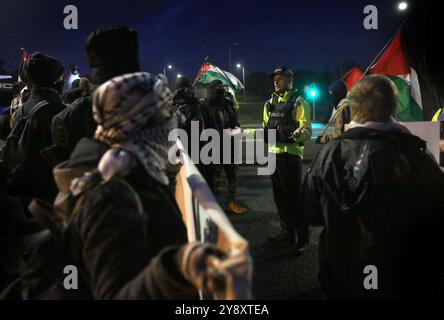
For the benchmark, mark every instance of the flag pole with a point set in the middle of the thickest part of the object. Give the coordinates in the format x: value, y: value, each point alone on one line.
x: 384, y: 48
x: 198, y: 73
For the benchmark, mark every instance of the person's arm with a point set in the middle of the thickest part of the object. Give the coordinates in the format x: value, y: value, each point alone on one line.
x: 303, y: 115
x: 342, y: 117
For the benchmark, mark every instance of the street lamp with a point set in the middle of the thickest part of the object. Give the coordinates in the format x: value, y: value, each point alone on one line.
x: 169, y: 68
x: 239, y: 66
x: 179, y: 75
x: 313, y: 93
x: 229, y: 54
x: 402, y: 6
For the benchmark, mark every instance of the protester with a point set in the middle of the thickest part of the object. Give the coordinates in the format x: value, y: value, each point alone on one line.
x: 290, y: 115
x: 20, y: 97
x: 106, y: 60
x: 80, y: 88
x: 337, y: 92
x: 220, y: 114
x: 375, y: 190
x: 124, y: 249
x: 25, y: 170
x: 20, y: 94
x: 186, y: 106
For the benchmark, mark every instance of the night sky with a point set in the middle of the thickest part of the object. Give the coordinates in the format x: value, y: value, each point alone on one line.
x: 312, y: 35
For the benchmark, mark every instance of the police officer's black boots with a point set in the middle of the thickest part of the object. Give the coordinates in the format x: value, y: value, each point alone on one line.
x: 303, y: 238
x: 287, y: 237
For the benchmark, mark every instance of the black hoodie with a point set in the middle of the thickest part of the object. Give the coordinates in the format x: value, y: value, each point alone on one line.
x: 380, y: 197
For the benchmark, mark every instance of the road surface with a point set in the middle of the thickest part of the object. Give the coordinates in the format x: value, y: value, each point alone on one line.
x: 278, y: 274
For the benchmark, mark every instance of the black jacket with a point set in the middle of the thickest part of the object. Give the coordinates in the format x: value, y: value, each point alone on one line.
x: 220, y: 114
x: 42, y: 179
x: 111, y: 242
x: 5, y: 127
x: 380, y: 197
x: 71, y: 125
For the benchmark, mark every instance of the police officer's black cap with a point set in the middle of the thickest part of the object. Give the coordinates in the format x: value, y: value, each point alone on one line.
x: 282, y: 70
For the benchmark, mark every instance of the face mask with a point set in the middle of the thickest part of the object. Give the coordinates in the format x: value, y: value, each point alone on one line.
x: 217, y: 92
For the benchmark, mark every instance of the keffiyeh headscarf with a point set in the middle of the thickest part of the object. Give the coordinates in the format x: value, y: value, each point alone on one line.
x: 122, y: 107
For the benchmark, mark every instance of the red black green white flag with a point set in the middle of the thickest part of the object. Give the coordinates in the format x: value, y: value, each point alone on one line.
x: 351, y: 77
x: 394, y: 63
x: 210, y: 72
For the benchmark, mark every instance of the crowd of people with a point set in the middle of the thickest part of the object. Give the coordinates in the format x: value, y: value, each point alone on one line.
x: 85, y: 181
x: 93, y: 173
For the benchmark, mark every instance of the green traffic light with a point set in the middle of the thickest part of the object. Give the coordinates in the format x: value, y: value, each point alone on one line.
x: 312, y: 92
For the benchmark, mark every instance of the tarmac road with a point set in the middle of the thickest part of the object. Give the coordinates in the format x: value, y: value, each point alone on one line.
x: 278, y: 273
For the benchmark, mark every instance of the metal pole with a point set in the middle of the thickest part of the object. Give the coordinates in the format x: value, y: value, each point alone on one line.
x: 164, y: 72
x: 314, y: 109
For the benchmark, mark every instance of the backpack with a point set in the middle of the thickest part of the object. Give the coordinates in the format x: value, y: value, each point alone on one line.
x: 17, y: 166
x: 69, y: 126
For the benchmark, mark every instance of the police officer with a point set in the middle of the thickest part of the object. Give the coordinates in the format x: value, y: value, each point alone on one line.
x: 221, y: 114
x: 290, y: 115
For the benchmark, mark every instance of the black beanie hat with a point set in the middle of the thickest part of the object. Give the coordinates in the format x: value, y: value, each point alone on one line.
x: 337, y: 91
x: 42, y: 70
x: 110, y: 45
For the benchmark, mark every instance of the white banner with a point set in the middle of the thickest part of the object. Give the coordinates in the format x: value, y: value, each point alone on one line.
x: 206, y: 222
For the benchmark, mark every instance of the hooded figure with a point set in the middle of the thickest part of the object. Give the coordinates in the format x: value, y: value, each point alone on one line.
x: 337, y: 91
x: 45, y: 77
x: 125, y: 160
x: 134, y: 119
x: 107, y: 59
x: 44, y: 71
x: 219, y: 113
x: 338, y: 94
x: 111, y: 51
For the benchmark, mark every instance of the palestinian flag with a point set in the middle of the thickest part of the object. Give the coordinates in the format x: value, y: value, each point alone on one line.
x: 210, y: 72
x: 351, y: 77
x: 394, y: 63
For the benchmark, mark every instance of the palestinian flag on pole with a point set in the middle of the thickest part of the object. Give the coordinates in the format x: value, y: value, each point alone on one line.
x: 394, y: 63
x: 351, y: 77
x: 210, y: 72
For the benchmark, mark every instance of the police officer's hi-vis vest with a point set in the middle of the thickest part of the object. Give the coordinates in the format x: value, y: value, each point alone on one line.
x: 281, y: 116
x: 439, y: 116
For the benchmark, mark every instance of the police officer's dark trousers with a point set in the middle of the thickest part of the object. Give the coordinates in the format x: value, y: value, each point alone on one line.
x: 287, y: 181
